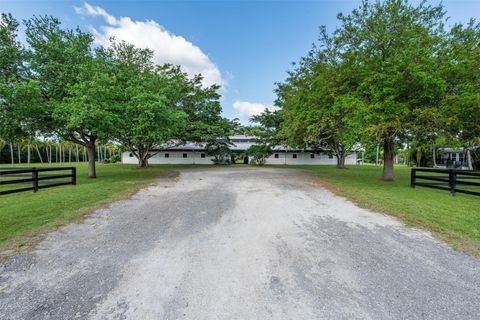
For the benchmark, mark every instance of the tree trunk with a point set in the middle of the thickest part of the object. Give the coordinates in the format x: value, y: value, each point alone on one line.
x: 340, y: 161
x: 11, y: 154
x: 77, y: 157
x: 39, y: 154
x: 91, y: 160
x: 143, y: 161
x: 28, y: 154
x: 469, y: 160
x: 388, y: 155
x: 434, y: 156
x: 19, y: 152
x: 378, y: 152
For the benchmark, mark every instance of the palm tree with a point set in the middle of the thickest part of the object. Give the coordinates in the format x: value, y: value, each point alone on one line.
x: 19, y: 152
x: 28, y: 145
x: 37, y: 144
x: 48, y: 150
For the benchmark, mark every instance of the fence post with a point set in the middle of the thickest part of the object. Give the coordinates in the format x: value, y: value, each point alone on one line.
x: 452, y: 181
x: 413, y: 178
x: 35, y: 179
x: 74, y: 176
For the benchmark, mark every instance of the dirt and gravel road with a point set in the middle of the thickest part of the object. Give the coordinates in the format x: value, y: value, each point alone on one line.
x: 239, y: 243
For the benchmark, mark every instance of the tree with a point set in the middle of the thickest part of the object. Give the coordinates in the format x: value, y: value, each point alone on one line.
x: 318, y: 103
x: 461, y: 107
x: 259, y: 153
x: 146, y: 100
x: 18, y: 92
x: 220, y: 150
x: 394, y: 48
x: 72, y: 81
x: 268, y: 127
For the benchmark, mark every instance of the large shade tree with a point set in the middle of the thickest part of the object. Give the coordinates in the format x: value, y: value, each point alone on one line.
x: 18, y: 91
x: 71, y: 79
x: 461, y: 69
x: 318, y: 103
x: 394, y: 47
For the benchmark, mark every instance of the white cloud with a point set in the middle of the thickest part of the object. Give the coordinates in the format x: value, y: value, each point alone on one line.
x: 167, y: 47
x: 247, y: 109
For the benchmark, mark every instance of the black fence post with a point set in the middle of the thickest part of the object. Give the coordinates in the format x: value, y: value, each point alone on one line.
x: 74, y: 176
x: 452, y: 181
x: 412, y: 178
x: 35, y: 179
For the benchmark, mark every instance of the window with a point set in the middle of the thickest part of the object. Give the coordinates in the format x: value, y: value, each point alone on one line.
x: 330, y: 156
x: 130, y: 155
x: 312, y: 155
x: 202, y: 155
x: 294, y: 156
x: 167, y: 155
x: 184, y: 155
x: 276, y: 155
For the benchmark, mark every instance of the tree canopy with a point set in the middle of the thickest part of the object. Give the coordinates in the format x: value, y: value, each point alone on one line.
x: 390, y: 73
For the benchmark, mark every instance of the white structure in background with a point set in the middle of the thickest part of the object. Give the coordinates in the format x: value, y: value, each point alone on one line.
x: 195, y: 153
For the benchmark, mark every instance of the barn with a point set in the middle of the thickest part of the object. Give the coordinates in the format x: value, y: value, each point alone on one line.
x: 195, y: 153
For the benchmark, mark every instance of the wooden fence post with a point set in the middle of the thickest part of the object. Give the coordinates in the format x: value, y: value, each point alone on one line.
x: 452, y: 181
x: 413, y: 178
x: 35, y: 179
x: 74, y: 176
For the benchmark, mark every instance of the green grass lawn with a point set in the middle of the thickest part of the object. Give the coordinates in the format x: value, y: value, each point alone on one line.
x: 456, y: 220
x: 25, y: 215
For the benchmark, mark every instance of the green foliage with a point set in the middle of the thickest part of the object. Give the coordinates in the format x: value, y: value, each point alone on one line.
x: 19, y: 94
x: 268, y: 127
x: 220, y: 150
x: 389, y: 74
x: 115, y: 158
x: 259, y: 153
x: 318, y: 103
x: 65, y: 88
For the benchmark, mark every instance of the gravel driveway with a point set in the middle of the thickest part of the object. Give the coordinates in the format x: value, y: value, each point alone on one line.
x: 239, y: 243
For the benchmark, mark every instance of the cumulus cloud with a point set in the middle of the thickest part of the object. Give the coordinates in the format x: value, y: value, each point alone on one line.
x: 167, y: 47
x: 247, y: 109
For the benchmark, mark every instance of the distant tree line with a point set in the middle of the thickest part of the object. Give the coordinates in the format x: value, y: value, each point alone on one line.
x: 60, y: 92
x: 391, y: 74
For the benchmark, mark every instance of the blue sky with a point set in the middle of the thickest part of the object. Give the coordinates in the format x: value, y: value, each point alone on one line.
x: 245, y: 45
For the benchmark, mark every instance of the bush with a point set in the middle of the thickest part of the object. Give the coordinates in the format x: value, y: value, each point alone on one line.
x: 259, y: 153
x: 115, y: 158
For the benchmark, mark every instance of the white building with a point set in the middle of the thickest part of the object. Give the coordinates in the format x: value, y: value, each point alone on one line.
x: 195, y: 153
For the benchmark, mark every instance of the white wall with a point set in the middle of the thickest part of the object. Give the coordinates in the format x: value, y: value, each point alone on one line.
x: 304, y: 158
x: 175, y: 157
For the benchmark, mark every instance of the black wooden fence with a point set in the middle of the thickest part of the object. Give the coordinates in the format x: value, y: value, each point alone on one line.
x: 33, y: 179
x: 453, y: 180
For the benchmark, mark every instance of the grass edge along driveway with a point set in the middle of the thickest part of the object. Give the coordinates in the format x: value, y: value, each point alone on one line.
x: 26, y: 216
x: 455, y: 220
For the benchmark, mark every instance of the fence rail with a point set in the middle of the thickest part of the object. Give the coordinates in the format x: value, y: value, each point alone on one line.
x: 36, y: 178
x: 452, y: 180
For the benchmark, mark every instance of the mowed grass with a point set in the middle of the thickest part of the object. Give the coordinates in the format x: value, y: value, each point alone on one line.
x: 454, y: 219
x: 26, y: 215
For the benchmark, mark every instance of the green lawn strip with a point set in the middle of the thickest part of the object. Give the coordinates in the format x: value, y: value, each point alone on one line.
x: 456, y: 220
x: 26, y: 215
